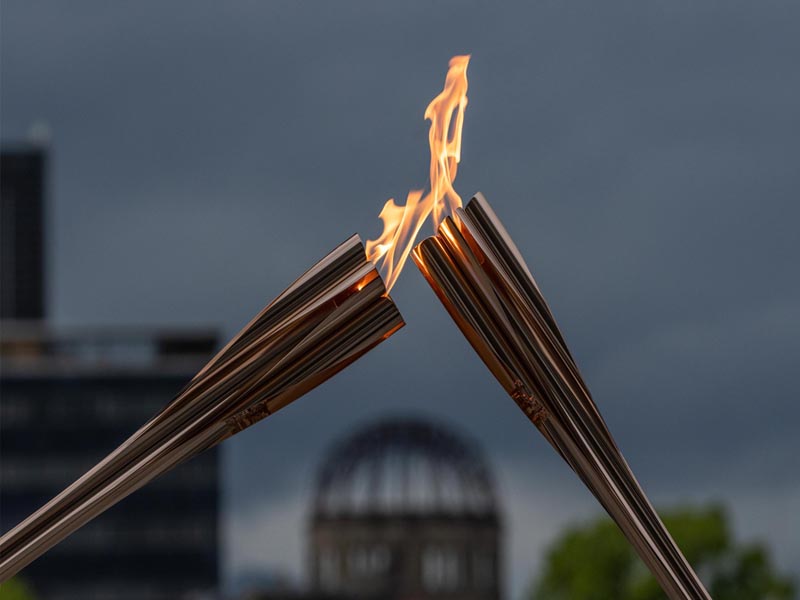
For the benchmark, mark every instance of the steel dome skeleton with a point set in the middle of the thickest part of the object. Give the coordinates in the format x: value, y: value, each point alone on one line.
x: 404, y: 466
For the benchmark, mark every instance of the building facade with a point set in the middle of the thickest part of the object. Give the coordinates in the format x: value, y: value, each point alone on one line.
x: 406, y: 509
x: 66, y: 400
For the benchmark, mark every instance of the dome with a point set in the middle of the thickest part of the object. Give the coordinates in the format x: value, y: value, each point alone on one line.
x: 405, y: 467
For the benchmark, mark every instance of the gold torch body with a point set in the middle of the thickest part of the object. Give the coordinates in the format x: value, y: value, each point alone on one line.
x: 479, y: 275
x: 328, y: 318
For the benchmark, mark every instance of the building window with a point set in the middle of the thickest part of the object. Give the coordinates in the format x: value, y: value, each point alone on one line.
x: 329, y: 573
x: 15, y: 411
x: 380, y: 558
x: 441, y: 569
x: 368, y: 560
x: 483, y: 576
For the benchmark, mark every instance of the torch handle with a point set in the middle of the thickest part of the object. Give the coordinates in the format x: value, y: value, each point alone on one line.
x: 613, y: 484
x: 479, y: 275
x: 329, y: 317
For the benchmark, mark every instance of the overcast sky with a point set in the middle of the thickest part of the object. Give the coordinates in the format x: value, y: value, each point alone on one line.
x: 644, y: 155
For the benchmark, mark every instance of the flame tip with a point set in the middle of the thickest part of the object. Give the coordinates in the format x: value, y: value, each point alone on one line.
x: 401, y: 224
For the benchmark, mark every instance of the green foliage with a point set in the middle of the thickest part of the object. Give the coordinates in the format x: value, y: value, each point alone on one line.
x: 14, y: 589
x: 595, y: 562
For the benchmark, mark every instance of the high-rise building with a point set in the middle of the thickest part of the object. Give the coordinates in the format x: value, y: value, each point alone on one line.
x: 67, y: 399
x: 22, y: 181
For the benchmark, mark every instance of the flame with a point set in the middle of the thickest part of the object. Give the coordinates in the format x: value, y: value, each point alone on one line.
x: 401, y: 224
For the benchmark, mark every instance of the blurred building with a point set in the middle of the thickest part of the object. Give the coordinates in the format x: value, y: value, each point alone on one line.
x: 69, y: 397
x: 67, y: 400
x: 22, y: 233
x: 405, y: 509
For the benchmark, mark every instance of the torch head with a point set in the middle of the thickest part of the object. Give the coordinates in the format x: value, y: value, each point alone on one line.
x: 483, y: 282
x: 481, y: 278
x: 329, y: 317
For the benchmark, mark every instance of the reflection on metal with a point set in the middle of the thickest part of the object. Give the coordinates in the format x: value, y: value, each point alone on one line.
x: 480, y: 277
x: 406, y: 509
x: 334, y: 313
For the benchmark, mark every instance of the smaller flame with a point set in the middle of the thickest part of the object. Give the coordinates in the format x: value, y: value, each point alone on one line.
x: 401, y: 224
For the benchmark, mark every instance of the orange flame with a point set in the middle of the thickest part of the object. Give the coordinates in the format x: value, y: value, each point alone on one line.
x: 401, y: 224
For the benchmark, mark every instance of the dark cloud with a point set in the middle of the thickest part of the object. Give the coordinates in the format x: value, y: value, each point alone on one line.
x: 643, y: 156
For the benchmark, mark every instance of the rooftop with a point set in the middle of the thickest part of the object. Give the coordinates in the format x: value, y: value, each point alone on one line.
x: 35, y: 348
x: 405, y: 468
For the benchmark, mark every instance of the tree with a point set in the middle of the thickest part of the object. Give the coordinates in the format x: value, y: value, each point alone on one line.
x: 595, y: 562
x: 14, y: 589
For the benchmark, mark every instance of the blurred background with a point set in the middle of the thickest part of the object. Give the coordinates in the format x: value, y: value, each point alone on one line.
x: 167, y: 169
